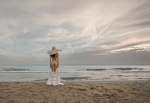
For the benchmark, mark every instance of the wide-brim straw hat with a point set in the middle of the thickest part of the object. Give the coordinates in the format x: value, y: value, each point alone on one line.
x: 53, y: 51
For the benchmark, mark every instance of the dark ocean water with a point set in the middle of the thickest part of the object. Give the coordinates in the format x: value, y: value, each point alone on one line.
x: 76, y: 72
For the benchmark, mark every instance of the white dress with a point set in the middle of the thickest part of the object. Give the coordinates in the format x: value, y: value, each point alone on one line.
x: 54, y: 78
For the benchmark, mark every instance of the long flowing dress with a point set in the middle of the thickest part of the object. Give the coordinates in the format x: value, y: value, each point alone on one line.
x: 54, y: 78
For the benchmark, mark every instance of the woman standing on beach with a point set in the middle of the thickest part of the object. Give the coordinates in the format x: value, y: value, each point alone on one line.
x: 54, y: 78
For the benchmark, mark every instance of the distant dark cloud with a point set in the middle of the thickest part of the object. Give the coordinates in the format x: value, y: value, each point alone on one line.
x: 123, y: 58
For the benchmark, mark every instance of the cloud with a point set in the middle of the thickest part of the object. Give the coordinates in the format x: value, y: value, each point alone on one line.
x: 30, y: 28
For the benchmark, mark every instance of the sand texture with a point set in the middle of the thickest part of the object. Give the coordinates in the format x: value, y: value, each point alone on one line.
x: 76, y: 92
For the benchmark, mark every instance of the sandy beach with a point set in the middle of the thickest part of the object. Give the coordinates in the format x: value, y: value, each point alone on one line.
x: 76, y: 92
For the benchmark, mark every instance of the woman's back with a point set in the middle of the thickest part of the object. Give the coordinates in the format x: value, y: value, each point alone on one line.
x: 54, y: 57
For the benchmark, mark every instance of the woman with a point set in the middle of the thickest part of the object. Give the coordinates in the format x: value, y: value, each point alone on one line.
x: 54, y: 78
x: 54, y: 62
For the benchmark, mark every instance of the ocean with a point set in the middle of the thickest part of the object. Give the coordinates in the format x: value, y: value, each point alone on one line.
x: 76, y: 72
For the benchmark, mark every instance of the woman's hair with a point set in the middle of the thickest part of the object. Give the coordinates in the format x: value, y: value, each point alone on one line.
x: 53, y: 55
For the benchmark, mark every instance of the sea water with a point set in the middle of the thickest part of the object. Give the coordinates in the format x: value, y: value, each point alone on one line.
x: 76, y: 72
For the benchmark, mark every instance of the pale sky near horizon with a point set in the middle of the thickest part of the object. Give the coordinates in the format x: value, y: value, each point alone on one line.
x: 106, y: 32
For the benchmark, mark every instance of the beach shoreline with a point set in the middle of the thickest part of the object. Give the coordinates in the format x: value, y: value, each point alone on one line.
x: 76, y: 92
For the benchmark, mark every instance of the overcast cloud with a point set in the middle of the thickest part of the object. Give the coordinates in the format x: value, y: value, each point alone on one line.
x: 88, y: 31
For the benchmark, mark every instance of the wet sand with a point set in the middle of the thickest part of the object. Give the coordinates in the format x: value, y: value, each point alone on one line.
x: 76, y: 92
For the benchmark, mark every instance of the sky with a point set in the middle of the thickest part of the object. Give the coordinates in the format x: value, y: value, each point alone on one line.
x: 89, y: 32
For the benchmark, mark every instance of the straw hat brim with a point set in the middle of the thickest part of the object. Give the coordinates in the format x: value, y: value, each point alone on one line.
x: 51, y: 52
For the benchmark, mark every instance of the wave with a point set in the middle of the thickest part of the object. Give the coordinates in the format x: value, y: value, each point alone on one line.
x: 128, y: 68
x: 74, y: 78
x: 139, y: 71
x: 95, y: 69
x: 67, y: 78
x: 143, y: 78
x: 24, y: 71
x: 13, y: 69
x: 46, y: 71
